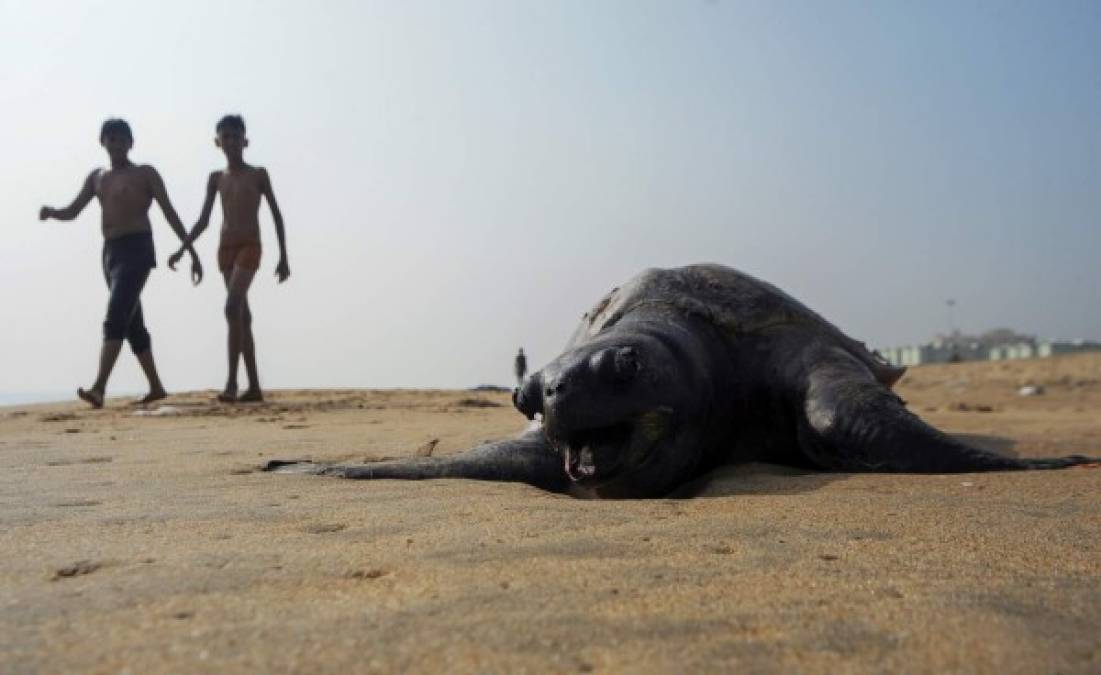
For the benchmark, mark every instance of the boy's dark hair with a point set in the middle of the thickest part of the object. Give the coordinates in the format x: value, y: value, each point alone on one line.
x: 230, y: 122
x: 115, y: 125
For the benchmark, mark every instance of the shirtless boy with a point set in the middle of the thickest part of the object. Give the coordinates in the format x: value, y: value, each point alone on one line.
x: 125, y: 192
x: 241, y: 186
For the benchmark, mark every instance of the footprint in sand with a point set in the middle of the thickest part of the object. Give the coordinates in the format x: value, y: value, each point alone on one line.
x: 86, y: 460
x: 367, y: 574
x: 78, y: 503
x: 79, y: 568
x: 58, y: 417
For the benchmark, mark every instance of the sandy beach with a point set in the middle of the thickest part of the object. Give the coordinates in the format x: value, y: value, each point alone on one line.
x: 152, y: 544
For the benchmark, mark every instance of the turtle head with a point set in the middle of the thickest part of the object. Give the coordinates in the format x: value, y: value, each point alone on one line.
x: 623, y: 412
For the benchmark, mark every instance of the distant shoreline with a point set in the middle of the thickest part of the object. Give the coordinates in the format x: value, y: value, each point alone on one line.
x: 27, y: 398
x: 13, y: 399
x: 9, y: 399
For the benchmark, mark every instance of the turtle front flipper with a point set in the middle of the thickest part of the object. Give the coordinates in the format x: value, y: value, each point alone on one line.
x: 851, y: 422
x: 526, y: 459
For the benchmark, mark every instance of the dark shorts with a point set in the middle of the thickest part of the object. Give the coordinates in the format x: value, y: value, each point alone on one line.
x: 127, y: 261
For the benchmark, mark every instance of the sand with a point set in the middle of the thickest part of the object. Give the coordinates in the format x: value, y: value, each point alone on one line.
x: 150, y: 544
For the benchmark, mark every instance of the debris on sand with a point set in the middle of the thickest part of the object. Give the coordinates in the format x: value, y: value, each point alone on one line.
x: 478, y: 403
x: 970, y: 407
x: 1030, y: 390
x: 428, y: 448
x: 161, y: 411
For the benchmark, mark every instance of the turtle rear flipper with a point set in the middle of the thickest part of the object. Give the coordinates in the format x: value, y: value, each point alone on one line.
x: 851, y: 422
x: 526, y: 459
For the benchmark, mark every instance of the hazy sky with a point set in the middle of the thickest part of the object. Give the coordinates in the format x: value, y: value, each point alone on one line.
x: 460, y: 178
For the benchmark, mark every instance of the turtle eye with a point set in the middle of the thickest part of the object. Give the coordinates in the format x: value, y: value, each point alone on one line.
x: 615, y: 364
x: 626, y: 363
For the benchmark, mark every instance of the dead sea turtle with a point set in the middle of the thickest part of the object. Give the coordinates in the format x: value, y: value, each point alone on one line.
x: 682, y: 370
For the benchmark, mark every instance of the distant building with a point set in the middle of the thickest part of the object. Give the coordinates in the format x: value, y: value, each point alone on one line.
x: 1051, y: 348
x: 995, y: 345
x: 1020, y: 350
x: 943, y: 349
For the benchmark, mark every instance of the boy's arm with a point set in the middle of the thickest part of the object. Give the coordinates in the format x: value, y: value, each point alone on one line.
x: 201, y: 224
x: 204, y: 216
x: 160, y: 194
x: 283, y: 270
x: 87, y: 191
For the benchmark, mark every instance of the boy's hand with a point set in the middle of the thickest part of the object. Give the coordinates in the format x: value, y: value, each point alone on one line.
x: 196, y: 270
x: 174, y: 258
x: 282, y: 270
x: 45, y: 213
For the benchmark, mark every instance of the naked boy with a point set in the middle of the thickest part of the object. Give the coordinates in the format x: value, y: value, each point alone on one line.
x: 125, y: 191
x: 240, y: 186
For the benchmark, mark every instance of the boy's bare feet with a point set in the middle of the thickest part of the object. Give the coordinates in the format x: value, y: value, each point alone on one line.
x: 251, y: 396
x: 152, y: 396
x: 228, y: 395
x: 92, y: 397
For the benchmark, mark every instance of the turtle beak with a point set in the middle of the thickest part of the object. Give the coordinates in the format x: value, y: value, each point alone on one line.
x: 528, y: 399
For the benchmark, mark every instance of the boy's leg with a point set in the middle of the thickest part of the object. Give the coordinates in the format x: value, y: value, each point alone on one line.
x: 237, y: 280
x: 125, y: 284
x: 229, y: 393
x: 248, y: 352
x: 108, y: 354
x: 156, y: 387
x: 140, y: 343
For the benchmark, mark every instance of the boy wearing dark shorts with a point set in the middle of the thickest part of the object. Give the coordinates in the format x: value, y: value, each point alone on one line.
x: 240, y: 186
x: 125, y: 192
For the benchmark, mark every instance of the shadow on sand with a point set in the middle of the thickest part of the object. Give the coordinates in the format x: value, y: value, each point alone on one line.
x: 755, y: 479
x: 776, y: 479
x: 996, y: 444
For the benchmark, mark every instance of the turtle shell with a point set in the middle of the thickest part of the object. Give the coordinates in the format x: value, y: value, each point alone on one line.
x: 738, y: 304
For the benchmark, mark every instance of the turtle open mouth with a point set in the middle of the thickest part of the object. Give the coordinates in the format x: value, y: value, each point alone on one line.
x: 600, y: 453
x: 603, y: 447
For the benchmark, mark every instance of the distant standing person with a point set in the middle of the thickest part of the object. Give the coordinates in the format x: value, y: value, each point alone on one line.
x: 240, y: 186
x: 125, y: 192
x: 521, y: 367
